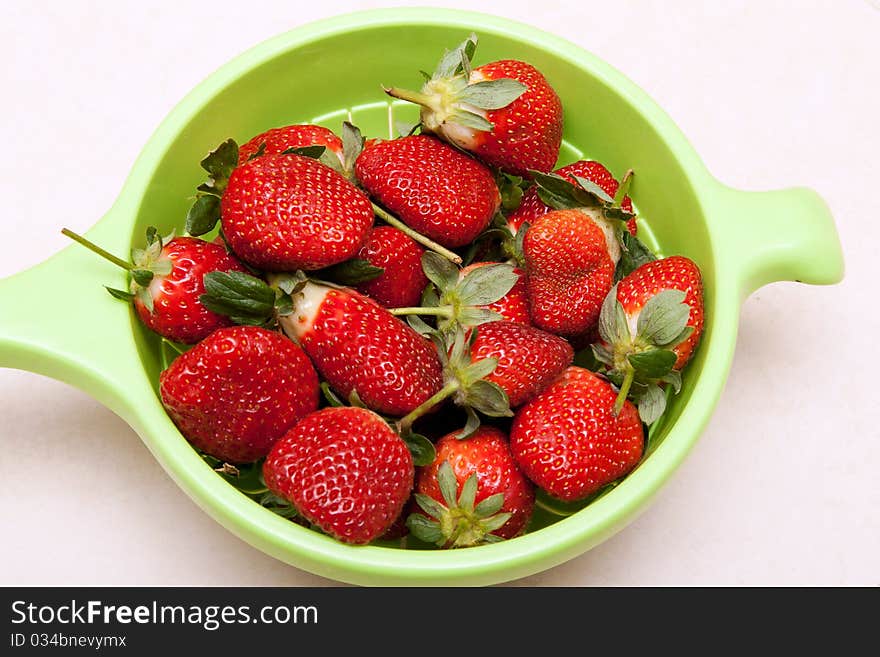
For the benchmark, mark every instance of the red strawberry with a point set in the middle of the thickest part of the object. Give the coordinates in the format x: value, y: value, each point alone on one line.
x: 235, y: 393
x: 474, y: 490
x: 344, y: 470
x: 649, y: 328
x: 402, y: 281
x: 568, y: 440
x: 513, y: 306
x: 358, y: 346
x: 570, y: 258
x: 167, y: 281
x: 430, y: 186
x: 287, y: 212
x: 533, y: 207
x: 529, y: 359
x: 505, y: 112
x: 278, y: 140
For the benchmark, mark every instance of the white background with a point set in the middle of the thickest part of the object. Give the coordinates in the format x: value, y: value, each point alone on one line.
x: 782, y: 488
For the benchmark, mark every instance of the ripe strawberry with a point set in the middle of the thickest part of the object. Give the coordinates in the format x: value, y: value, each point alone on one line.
x: 529, y: 359
x: 430, y: 186
x: 568, y: 440
x: 402, y: 279
x: 344, y: 470
x: 570, y: 261
x: 650, y: 325
x: 278, y: 140
x: 474, y: 490
x: 359, y: 347
x: 533, y: 207
x: 287, y: 212
x: 505, y: 112
x: 513, y: 306
x: 167, y: 281
x: 235, y: 393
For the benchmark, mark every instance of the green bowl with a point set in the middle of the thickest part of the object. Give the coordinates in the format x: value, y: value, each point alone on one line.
x: 332, y: 70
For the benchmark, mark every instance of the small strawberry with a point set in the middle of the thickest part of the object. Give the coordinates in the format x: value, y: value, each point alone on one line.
x: 513, y: 306
x: 474, y: 491
x: 238, y: 391
x: 344, y: 470
x: 650, y: 324
x: 569, y: 441
x: 431, y: 187
x: 570, y: 260
x: 505, y: 112
x: 278, y: 140
x: 529, y: 359
x: 533, y: 207
x: 401, y: 280
x: 167, y: 281
x: 288, y: 212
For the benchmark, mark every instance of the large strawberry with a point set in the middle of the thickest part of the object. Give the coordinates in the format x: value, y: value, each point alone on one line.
x: 278, y: 140
x: 529, y: 359
x: 533, y: 207
x: 474, y: 492
x: 505, y: 112
x: 238, y: 391
x: 650, y: 325
x: 569, y: 441
x: 570, y: 260
x: 433, y: 188
x: 288, y: 212
x: 344, y: 470
x: 399, y: 257
x: 513, y: 306
x: 167, y: 281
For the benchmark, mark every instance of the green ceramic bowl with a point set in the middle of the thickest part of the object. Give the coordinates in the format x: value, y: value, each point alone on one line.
x: 325, y: 72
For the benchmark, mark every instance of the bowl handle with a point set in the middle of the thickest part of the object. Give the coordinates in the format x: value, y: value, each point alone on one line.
x: 57, y: 320
x: 784, y: 235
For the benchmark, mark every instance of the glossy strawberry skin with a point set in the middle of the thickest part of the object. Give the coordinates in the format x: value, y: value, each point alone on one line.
x: 345, y: 470
x: 278, y: 140
x: 402, y: 282
x: 531, y: 207
x: 513, y: 306
x: 430, y: 186
x: 177, y: 313
x: 238, y: 391
x: 286, y: 212
x: 358, y: 345
x: 569, y: 443
x: 529, y: 359
x: 527, y: 133
x: 672, y: 273
x: 487, y: 454
x: 569, y: 272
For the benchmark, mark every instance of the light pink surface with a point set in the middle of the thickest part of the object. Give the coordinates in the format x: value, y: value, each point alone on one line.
x: 782, y: 489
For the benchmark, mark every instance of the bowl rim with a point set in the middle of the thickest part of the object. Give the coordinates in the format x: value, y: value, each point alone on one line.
x: 519, y: 557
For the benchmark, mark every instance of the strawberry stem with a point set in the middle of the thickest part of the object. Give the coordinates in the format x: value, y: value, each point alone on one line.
x: 439, y: 311
x: 404, y: 424
x: 391, y: 220
x: 425, y: 100
x: 623, y: 188
x: 97, y: 249
x: 624, y: 389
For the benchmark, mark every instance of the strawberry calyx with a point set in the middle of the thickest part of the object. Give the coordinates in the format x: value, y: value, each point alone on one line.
x: 455, y: 100
x: 456, y: 301
x: 459, y: 522
x: 636, y: 351
x: 145, y: 265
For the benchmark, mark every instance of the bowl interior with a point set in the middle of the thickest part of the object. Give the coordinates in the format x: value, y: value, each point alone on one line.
x: 338, y: 75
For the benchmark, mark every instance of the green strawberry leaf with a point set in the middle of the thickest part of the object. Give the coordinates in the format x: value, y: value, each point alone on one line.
x: 594, y: 189
x: 244, y: 298
x: 422, y: 449
x: 451, y: 62
x: 468, y: 494
x: 203, y: 215
x: 471, y: 316
x: 143, y: 295
x: 439, y: 270
x: 471, y: 120
x: 663, y: 317
x: 405, y: 128
x: 470, y: 426
x: 448, y: 484
x: 424, y: 529
x: 419, y: 325
x: 493, y: 94
x: 219, y: 164
x: 478, y: 370
x: 487, y: 284
x: 331, y: 397
x: 673, y: 378
x: 512, y: 189
x: 633, y: 254
x: 119, y: 294
x: 489, y: 506
x: 613, y: 327
x: 313, y: 152
x: 351, y: 272
x: 651, y: 404
x: 352, y: 145
x: 488, y: 398
x: 652, y: 364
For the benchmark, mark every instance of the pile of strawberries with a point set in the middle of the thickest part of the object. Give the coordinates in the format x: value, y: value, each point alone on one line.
x: 384, y: 330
